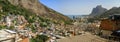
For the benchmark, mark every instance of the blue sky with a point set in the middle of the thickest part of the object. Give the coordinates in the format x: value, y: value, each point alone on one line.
x: 78, y: 7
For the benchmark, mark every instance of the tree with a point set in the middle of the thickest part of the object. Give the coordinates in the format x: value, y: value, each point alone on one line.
x: 40, y: 38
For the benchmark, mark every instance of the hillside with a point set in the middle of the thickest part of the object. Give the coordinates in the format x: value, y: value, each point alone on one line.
x: 16, y: 15
x: 33, y: 8
x: 114, y: 10
x: 98, y: 10
x: 41, y: 10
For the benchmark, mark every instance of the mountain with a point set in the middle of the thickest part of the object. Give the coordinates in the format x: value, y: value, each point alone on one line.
x: 114, y: 10
x: 98, y: 10
x: 34, y: 7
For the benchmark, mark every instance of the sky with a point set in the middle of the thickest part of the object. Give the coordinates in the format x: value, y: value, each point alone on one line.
x: 78, y: 7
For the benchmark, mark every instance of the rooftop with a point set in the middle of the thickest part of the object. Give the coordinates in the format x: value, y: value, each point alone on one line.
x: 4, y: 35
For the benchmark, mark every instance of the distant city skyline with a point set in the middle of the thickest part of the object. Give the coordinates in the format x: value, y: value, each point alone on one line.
x: 78, y: 7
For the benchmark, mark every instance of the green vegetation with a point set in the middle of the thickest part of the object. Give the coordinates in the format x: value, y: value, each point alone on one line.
x: 2, y: 27
x: 30, y: 16
x: 39, y: 38
x: 9, y: 9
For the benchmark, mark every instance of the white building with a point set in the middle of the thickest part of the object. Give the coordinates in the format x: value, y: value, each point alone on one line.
x: 8, y: 20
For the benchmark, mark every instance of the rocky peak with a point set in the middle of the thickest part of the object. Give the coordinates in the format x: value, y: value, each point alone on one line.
x: 98, y: 10
x: 99, y: 6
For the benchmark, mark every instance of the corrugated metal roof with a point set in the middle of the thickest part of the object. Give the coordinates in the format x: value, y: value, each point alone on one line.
x: 10, y: 31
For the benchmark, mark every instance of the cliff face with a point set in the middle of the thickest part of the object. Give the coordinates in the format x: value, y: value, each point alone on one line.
x: 38, y: 8
x: 98, y: 10
x: 32, y: 5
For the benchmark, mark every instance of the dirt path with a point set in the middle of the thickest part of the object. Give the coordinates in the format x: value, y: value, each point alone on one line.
x: 87, y: 37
